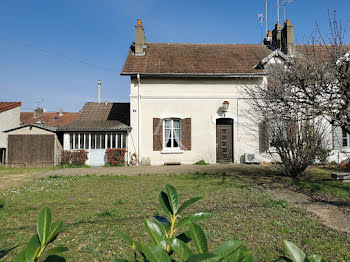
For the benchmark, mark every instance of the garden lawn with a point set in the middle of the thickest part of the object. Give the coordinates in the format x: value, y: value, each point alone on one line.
x: 15, y: 171
x: 94, y: 207
x: 319, y: 182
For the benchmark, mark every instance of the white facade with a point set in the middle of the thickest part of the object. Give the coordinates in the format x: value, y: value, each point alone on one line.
x: 200, y: 99
x: 8, y: 119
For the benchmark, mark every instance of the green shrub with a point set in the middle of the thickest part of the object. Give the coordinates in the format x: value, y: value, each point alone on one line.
x: 116, y: 156
x: 73, y: 158
x: 201, y: 163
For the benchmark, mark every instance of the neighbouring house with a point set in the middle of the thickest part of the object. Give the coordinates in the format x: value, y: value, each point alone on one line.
x: 97, y: 127
x: 187, y: 101
x: 37, y: 141
x: 9, y: 118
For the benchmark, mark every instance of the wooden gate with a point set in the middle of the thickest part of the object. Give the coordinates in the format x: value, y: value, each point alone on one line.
x: 31, y: 150
x: 224, y: 146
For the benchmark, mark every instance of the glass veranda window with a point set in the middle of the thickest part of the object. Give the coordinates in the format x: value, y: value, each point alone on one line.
x: 172, y: 133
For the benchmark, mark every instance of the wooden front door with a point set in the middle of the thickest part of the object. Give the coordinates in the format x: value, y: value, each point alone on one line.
x: 224, y: 147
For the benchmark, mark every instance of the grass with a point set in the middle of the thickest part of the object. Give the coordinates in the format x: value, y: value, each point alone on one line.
x: 319, y: 182
x: 94, y: 207
x: 19, y: 170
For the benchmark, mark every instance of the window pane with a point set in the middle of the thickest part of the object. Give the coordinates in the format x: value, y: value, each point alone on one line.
x: 76, y: 142
x: 81, y: 141
x: 103, y: 140
x: 176, y: 142
x: 98, y: 141
x: 167, y: 137
x: 124, y: 140
x: 167, y: 123
x: 113, y: 140
x: 71, y: 140
x: 176, y: 123
x: 119, y: 140
x: 108, y: 140
x: 86, y: 140
x: 93, y: 138
x: 345, y: 142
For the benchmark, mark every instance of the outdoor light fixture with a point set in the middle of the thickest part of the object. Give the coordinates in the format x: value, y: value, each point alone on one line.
x: 225, y: 106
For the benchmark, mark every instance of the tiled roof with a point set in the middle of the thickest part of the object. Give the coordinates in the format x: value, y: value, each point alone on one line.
x: 101, y: 117
x: 48, y: 118
x: 8, y: 105
x: 196, y: 59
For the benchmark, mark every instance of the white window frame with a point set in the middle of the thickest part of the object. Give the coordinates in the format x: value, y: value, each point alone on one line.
x: 172, y: 134
x: 118, y: 136
x: 345, y: 137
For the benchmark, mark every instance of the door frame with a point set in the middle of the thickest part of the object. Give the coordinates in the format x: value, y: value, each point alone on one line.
x: 219, y: 123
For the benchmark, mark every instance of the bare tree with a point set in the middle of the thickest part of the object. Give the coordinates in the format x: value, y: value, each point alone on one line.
x: 314, y: 81
x: 296, y: 143
x: 303, y: 90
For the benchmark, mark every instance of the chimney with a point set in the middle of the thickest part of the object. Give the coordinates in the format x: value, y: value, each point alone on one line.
x: 277, y: 36
x: 60, y: 112
x: 268, y: 38
x: 38, y: 112
x: 288, y: 38
x: 139, y: 38
x: 99, y: 91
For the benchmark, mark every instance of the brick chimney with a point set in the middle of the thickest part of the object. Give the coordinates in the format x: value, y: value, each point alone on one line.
x: 288, y: 38
x: 38, y: 112
x: 139, y: 38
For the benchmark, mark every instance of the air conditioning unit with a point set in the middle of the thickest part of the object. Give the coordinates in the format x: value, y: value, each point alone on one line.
x: 251, y: 158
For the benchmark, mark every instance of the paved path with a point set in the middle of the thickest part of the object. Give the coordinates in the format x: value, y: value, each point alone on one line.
x: 331, y: 215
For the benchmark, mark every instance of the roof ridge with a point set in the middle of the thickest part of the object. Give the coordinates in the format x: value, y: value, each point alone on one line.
x: 242, y: 44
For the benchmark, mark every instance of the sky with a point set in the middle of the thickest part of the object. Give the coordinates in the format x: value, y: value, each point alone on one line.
x: 52, y: 52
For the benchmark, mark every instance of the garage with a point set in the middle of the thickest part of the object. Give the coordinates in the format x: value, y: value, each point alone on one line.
x: 32, y: 146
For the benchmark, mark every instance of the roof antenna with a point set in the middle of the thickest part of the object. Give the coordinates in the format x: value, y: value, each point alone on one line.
x: 285, y: 2
x: 260, y: 20
x: 278, y: 13
x: 266, y: 16
x: 99, y: 91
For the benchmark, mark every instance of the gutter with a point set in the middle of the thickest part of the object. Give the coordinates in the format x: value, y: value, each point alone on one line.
x: 138, y: 118
x: 240, y: 75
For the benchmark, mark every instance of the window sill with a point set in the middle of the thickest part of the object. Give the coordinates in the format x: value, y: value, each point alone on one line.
x: 172, y: 151
x: 345, y: 150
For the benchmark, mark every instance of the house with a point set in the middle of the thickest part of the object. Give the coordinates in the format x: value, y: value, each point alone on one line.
x: 187, y: 102
x: 36, y: 141
x: 9, y: 118
x: 97, y: 127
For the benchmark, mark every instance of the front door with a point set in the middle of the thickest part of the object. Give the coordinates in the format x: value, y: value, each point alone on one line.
x: 97, y: 157
x: 224, y: 147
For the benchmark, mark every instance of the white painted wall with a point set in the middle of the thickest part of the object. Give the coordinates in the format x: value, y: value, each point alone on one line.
x: 8, y: 119
x: 199, y: 99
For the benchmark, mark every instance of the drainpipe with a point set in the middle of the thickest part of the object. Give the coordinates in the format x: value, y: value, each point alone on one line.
x: 138, y: 119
